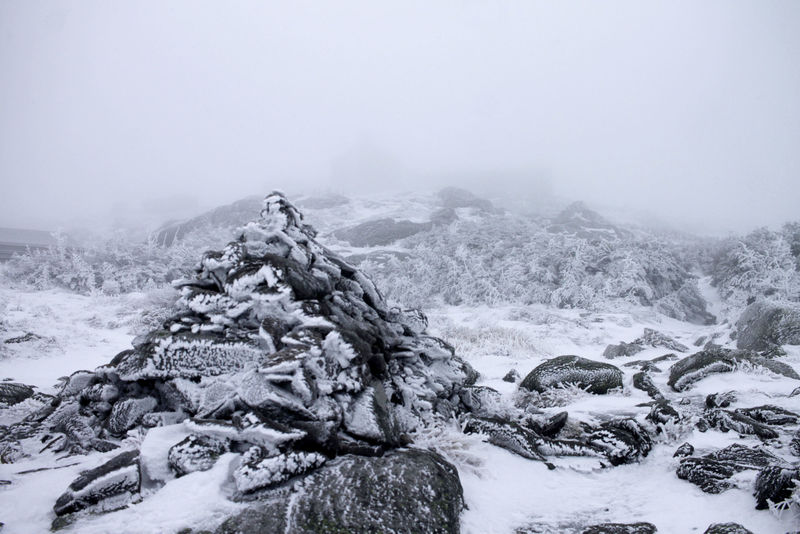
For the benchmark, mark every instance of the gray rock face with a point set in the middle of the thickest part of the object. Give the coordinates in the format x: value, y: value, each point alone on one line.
x: 379, y: 232
x: 693, y: 368
x: 621, y: 528
x: 764, y: 325
x: 112, y: 485
x: 727, y: 528
x: 594, y: 377
x: 403, y: 491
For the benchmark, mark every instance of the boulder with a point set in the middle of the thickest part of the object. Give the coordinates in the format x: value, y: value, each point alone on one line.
x: 769, y: 414
x: 404, y: 491
x: 621, y: 528
x: 713, y: 471
x: 691, y: 369
x: 109, y: 486
x: 512, y: 376
x: 622, y: 441
x: 196, y: 453
x: 684, y: 451
x: 727, y: 528
x: 765, y: 324
x: 650, y: 338
x: 775, y: 484
x: 594, y: 377
x: 12, y: 393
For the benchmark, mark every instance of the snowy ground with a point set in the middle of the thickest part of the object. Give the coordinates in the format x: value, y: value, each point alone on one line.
x: 504, y: 494
x: 508, y: 492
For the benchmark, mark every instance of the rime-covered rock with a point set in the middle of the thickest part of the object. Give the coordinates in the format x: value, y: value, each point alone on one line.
x: 713, y: 471
x: 512, y: 376
x: 726, y: 420
x: 770, y: 415
x: 794, y: 445
x: 621, y: 528
x: 128, y: 413
x: 663, y: 413
x: 402, y: 491
x: 622, y: 441
x: 684, y: 451
x: 693, y: 368
x: 650, y: 338
x: 720, y: 400
x: 111, y: 485
x: 642, y: 381
x: 727, y: 528
x: 775, y: 484
x: 594, y: 377
x: 507, y: 435
x: 196, y: 453
x: 709, y: 475
x: 257, y: 470
x: 764, y: 325
x: 13, y: 393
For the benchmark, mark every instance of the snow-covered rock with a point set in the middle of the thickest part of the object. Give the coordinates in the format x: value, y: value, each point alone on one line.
x: 764, y: 325
x: 595, y: 377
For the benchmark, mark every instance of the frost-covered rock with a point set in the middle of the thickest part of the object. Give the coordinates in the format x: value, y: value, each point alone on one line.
x: 512, y: 376
x: 765, y: 324
x: 622, y: 441
x: 727, y: 528
x: 594, y: 377
x: 642, y: 381
x: 196, y: 453
x: 713, y: 471
x: 770, y: 415
x: 775, y: 484
x: 111, y: 485
x: 650, y: 338
x: 693, y: 368
x: 258, y: 470
x: 621, y: 528
x: 684, y: 451
x: 726, y: 420
x: 403, y: 491
x: 12, y: 393
x: 507, y: 435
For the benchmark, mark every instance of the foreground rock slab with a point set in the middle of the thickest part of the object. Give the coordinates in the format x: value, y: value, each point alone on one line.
x: 404, y: 491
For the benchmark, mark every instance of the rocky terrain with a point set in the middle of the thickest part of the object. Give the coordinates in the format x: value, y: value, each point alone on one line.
x: 293, y: 397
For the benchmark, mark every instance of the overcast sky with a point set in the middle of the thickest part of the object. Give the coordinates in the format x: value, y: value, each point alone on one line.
x: 690, y: 110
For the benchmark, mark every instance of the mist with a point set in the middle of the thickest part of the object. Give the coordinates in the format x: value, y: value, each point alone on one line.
x: 138, y: 112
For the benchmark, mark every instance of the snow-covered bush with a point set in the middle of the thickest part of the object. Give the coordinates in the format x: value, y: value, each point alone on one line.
x: 507, y: 259
x: 763, y: 263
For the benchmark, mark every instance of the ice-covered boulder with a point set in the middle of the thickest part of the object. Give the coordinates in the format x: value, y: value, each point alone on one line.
x: 693, y: 368
x: 111, y: 485
x: 712, y: 472
x: 650, y: 338
x: 727, y: 528
x: 765, y: 324
x: 12, y: 393
x: 621, y: 528
x: 406, y: 490
x: 594, y: 377
x: 775, y: 484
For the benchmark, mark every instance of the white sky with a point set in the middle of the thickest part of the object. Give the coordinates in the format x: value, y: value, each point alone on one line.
x: 688, y: 109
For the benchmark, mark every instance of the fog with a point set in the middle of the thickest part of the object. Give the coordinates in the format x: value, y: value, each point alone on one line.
x: 145, y: 111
